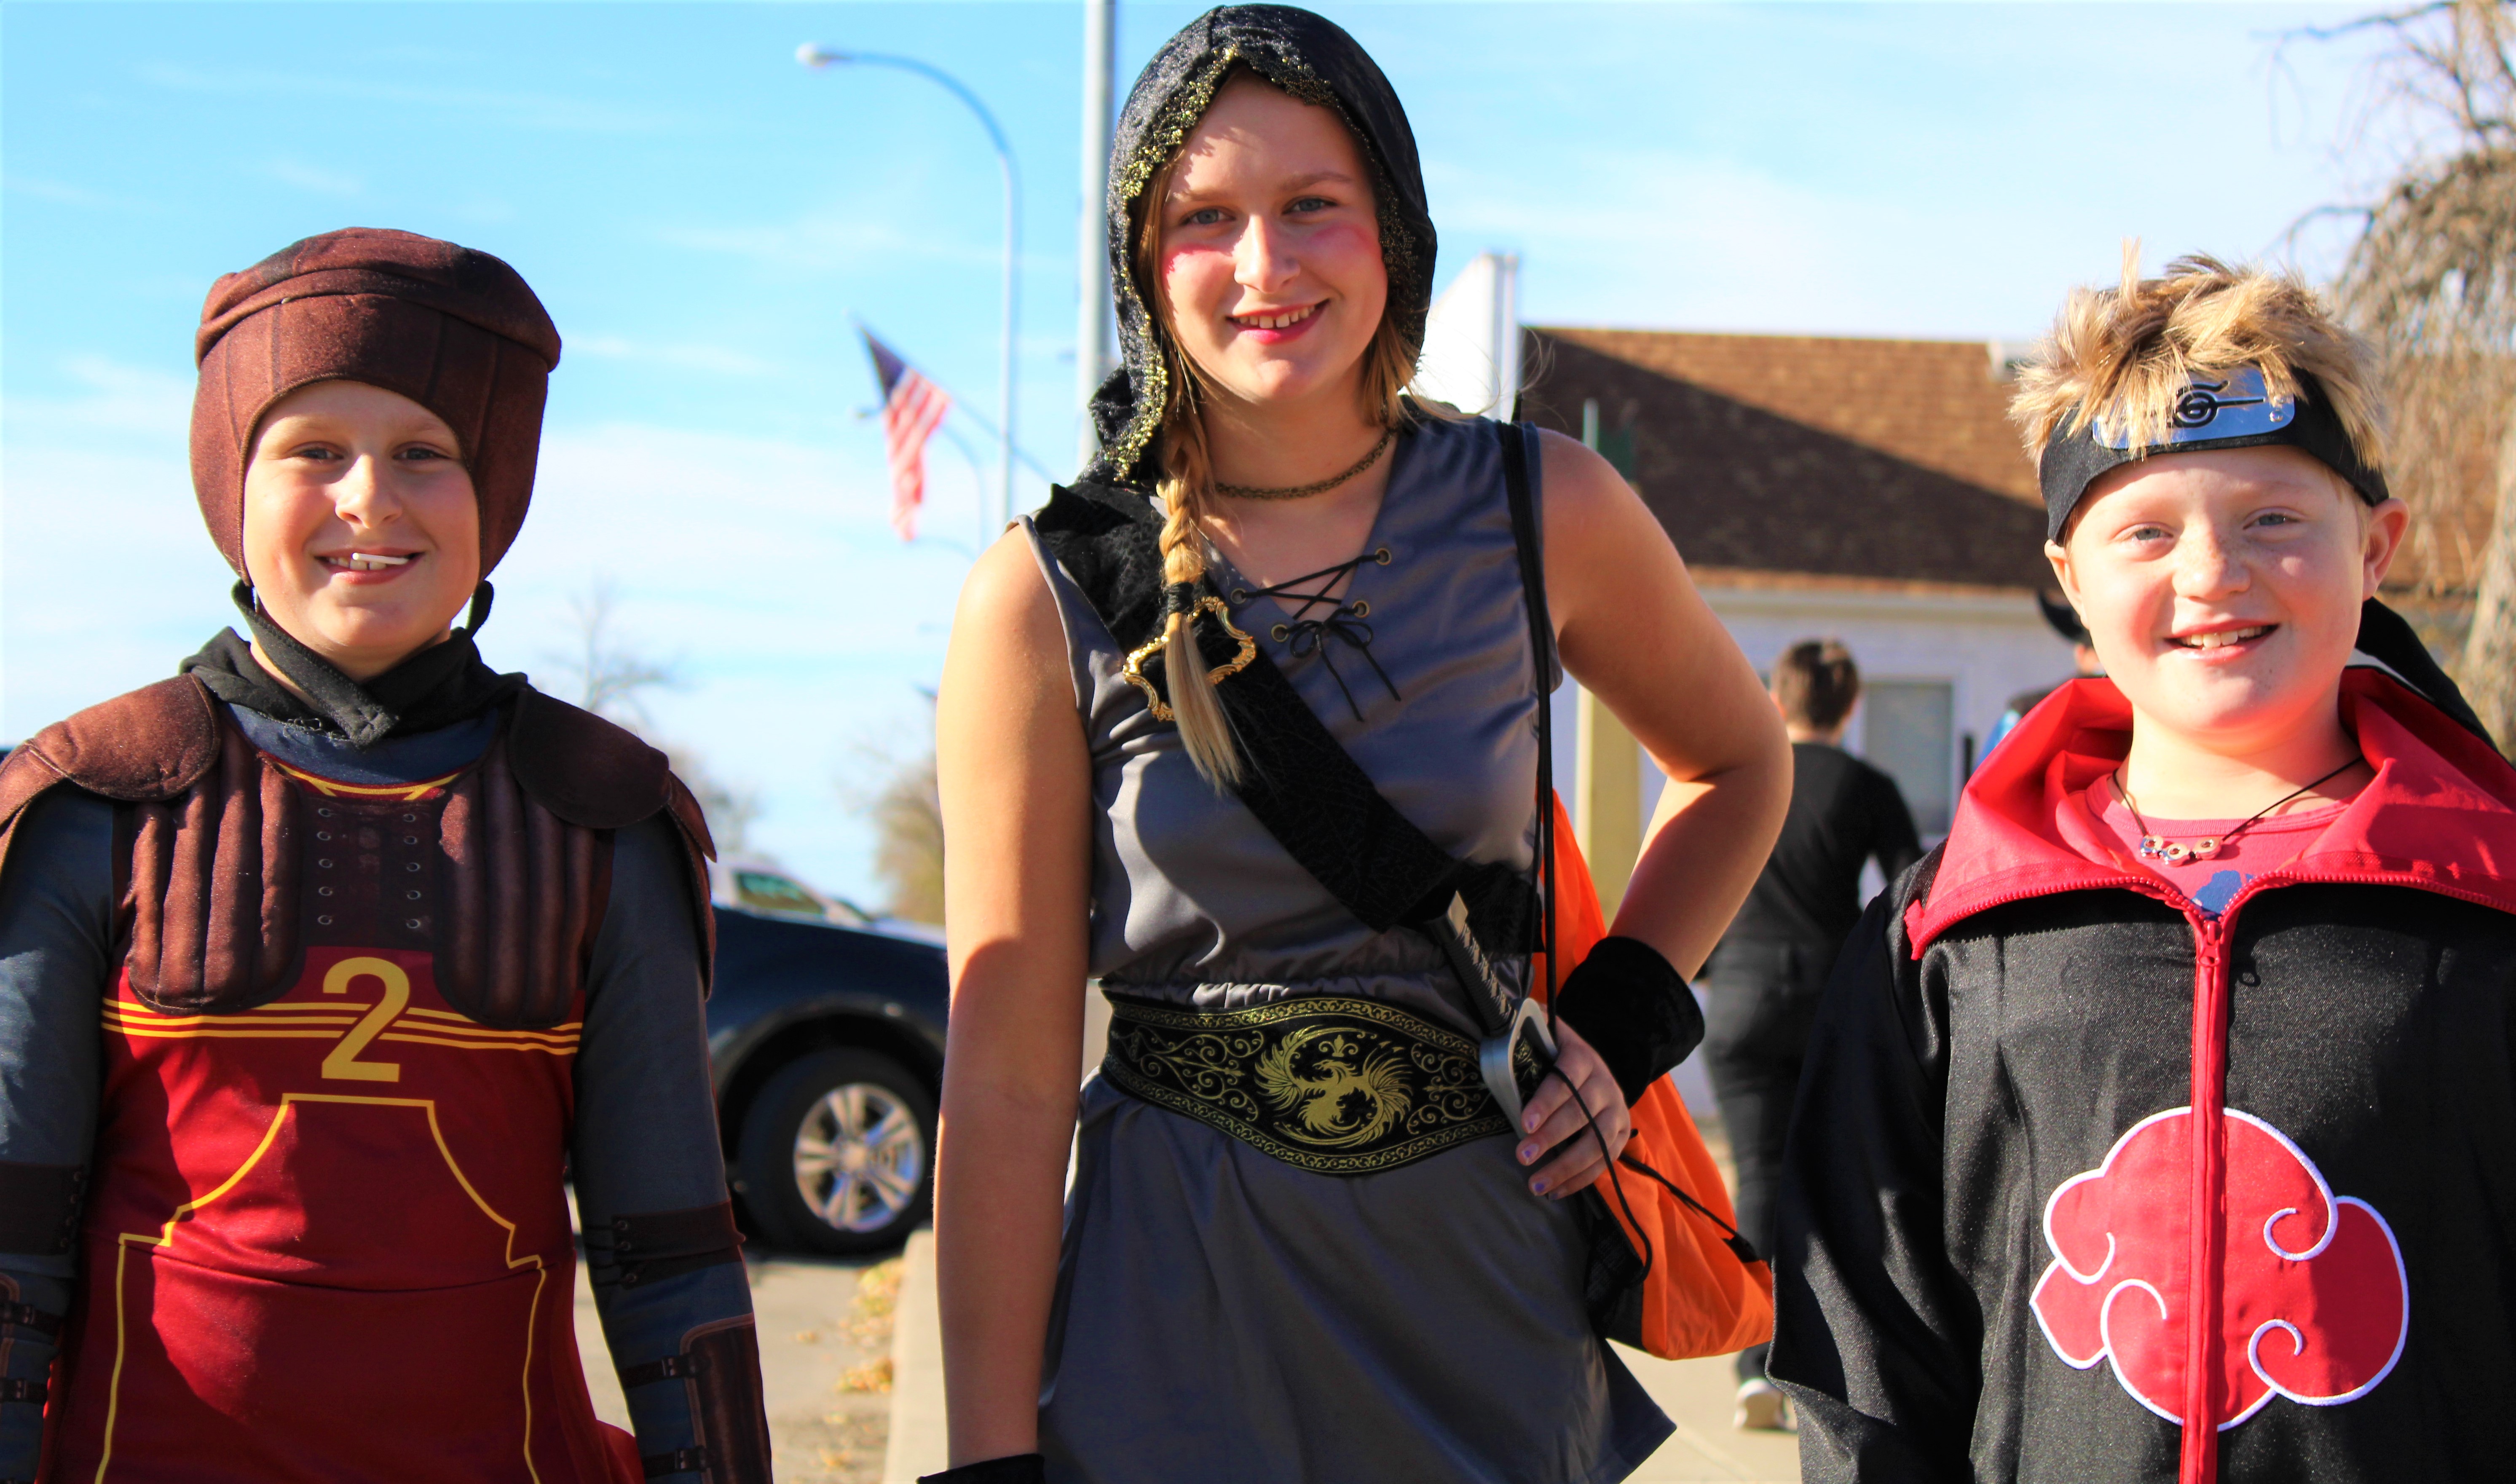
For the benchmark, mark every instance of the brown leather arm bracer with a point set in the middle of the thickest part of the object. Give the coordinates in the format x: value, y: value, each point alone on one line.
x: 720, y: 1365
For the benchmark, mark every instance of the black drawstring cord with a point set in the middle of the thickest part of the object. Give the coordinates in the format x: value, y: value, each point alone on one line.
x: 1303, y: 636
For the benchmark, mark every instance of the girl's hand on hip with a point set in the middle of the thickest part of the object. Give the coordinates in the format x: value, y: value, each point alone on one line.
x: 1553, y: 1118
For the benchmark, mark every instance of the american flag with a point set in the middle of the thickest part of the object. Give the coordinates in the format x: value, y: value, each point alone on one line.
x: 911, y: 408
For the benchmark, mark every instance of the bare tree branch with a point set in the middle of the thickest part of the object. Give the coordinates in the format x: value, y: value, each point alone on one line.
x: 2431, y: 278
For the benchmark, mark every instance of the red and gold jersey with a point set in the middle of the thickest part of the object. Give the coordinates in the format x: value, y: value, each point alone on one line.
x: 326, y: 1235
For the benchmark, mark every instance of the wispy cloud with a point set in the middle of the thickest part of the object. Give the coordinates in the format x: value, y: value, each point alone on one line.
x: 720, y: 359
x: 817, y: 243
x: 109, y: 395
x: 315, y: 179
x: 44, y: 190
x: 514, y: 110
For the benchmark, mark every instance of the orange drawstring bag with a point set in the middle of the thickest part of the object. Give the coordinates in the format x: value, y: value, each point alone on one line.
x: 1699, y: 1296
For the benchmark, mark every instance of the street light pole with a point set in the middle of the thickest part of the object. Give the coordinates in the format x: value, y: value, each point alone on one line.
x: 816, y: 55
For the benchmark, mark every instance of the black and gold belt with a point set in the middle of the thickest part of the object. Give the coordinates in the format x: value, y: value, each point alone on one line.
x: 1326, y: 1084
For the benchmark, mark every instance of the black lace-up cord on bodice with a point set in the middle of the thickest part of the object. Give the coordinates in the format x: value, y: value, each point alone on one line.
x: 1303, y: 636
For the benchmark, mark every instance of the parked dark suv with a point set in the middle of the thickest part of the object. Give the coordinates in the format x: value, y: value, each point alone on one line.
x: 825, y: 1035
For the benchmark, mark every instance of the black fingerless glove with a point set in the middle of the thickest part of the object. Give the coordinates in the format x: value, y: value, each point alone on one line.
x: 1021, y: 1468
x: 1635, y: 1010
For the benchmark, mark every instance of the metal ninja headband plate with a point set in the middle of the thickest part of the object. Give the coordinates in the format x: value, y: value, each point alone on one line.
x: 2223, y: 409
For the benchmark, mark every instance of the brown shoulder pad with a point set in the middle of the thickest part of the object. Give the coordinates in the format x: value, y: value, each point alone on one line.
x: 584, y: 769
x: 24, y: 776
x: 145, y: 747
x: 150, y: 745
x: 592, y: 772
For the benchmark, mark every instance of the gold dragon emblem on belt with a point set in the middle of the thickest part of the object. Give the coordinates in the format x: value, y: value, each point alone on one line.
x: 1333, y: 1091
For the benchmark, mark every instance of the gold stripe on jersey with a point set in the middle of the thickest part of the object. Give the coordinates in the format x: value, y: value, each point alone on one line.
x: 329, y: 1022
x: 399, y: 793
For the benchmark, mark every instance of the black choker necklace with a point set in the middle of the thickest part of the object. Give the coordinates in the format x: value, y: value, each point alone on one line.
x: 1300, y: 492
x: 2157, y: 847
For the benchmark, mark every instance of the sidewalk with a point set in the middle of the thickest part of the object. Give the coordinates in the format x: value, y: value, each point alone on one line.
x: 1695, y: 1394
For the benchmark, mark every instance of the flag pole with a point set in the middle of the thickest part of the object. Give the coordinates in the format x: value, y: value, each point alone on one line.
x: 814, y: 54
x: 1092, y: 239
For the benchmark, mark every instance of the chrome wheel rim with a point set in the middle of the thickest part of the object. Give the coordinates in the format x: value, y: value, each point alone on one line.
x: 860, y: 1158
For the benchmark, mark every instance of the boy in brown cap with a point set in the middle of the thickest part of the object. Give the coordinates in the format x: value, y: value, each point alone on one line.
x: 383, y: 946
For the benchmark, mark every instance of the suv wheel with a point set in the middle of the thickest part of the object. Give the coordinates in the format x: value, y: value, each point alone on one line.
x: 837, y: 1154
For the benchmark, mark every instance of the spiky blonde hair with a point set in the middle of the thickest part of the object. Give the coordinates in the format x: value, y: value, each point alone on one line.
x: 2118, y: 356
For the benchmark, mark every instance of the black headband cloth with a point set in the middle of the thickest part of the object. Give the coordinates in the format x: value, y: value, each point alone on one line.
x: 2220, y: 410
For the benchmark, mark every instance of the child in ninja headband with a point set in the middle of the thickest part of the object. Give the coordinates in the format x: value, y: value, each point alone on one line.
x: 2161, y: 1124
x: 326, y: 963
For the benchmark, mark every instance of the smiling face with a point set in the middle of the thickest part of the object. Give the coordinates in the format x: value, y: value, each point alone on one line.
x: 1268, y: 260
x: 2222, y: 589
x: 361, y: 535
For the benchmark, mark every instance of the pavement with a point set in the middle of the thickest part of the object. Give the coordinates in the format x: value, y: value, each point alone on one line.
x: 825, y: 1347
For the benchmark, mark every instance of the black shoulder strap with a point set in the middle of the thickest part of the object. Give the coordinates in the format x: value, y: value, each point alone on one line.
x: 1299, y: 781
x: 1515, y: 438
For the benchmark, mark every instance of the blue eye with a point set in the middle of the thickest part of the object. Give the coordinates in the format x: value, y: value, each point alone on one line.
x: 1205, y: 217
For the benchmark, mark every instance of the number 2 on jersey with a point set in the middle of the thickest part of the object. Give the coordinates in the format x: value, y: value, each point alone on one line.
x: 343, y: 1064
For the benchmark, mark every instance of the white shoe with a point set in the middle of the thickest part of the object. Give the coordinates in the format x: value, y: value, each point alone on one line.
x: 1762, y: 1409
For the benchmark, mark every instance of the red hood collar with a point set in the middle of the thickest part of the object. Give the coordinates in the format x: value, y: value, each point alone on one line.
x: 2440, y: 815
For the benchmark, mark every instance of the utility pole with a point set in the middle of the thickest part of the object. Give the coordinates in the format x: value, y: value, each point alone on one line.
x: 1607, y: 786
x: 1092, y: 358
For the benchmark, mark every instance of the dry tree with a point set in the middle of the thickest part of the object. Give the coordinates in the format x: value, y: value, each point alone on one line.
x: 2430, y: 276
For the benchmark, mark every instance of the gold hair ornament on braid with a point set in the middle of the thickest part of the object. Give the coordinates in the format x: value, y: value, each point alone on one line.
x: 1134, y: 669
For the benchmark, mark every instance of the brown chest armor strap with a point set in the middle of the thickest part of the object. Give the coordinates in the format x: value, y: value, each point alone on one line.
x: 234, y: 865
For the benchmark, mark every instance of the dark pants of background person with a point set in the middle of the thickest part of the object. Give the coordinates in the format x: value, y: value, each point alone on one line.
x: 1762, y: 1002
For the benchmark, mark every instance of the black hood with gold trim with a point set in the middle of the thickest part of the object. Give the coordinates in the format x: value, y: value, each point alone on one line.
x: 1309, y: 57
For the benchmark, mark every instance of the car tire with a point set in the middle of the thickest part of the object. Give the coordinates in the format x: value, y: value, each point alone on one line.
x: 837, y: 1154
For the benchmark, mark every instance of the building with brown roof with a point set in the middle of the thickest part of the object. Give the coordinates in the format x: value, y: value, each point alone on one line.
x: 1866, y: 490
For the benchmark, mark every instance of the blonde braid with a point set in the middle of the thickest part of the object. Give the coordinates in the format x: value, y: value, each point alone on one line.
x: 1187, y: 484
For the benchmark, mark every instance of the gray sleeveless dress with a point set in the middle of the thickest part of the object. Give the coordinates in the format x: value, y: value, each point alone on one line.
x: 1226, y: 1318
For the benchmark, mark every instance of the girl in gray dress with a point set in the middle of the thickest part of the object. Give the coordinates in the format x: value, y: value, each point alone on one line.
x: 1302, y: 1243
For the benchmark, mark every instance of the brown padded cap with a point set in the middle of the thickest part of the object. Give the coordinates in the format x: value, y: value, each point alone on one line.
x: 455, y: 330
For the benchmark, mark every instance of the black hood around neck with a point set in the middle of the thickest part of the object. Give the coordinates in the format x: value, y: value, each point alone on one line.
x: 443, y: 684
x: 1311, y: 57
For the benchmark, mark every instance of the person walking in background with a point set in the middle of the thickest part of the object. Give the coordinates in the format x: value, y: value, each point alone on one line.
x: 1767, y: 971
x: 2065, y: 621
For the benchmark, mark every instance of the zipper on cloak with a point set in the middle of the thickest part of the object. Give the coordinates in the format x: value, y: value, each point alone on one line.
x: 2198, y: 1463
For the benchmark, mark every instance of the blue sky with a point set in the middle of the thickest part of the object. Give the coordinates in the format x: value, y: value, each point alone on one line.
x: 706, y: 221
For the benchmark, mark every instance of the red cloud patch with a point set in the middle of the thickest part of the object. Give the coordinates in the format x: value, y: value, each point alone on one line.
x: 2314, y: 1306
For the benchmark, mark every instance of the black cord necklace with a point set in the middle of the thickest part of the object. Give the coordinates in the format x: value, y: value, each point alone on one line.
x: 2157, y: 847
x: 1320, y: 486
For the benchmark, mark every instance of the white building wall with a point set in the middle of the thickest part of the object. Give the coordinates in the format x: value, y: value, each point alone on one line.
x: 1987, y: 647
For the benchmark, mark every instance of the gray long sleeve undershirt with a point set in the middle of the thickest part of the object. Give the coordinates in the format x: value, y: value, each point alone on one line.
x: 645, y: 1138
